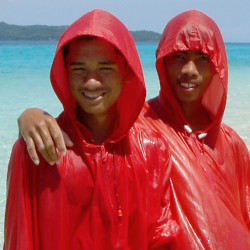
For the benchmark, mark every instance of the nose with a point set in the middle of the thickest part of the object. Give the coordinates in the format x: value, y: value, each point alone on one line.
x: 92, y: 80
x: 190, y: 69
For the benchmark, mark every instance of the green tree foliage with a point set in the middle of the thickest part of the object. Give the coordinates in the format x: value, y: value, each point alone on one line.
x: 145, y: 35
x: 32, y: 32
x: 43, y: 32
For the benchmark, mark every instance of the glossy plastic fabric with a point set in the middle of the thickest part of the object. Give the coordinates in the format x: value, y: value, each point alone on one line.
x: 210, y: 180
x: 111, y: 196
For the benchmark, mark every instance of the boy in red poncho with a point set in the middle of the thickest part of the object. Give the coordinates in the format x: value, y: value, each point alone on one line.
x: 210, y: 181
x: 111, y: 189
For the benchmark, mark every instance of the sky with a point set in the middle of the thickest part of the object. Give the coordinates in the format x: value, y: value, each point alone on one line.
x: 232, y: 16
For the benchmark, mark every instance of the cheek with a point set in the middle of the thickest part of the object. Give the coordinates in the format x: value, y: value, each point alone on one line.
x: 207, y: 71
x: 173, y: 69
x: 117, y: 90
x: 72, y: 87
x: 207, y: 78
x: 172, y: 75
x: 115, y: 81
x: 75, y: 81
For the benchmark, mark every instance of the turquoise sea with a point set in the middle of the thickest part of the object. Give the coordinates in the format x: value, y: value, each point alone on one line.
x: 24, y: 82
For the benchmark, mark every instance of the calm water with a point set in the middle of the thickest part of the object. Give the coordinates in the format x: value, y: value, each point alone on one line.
x: 24, y: 81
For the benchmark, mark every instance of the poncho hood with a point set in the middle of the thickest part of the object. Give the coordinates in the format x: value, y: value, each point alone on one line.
x: 101, y: 24
x: 195, y: 31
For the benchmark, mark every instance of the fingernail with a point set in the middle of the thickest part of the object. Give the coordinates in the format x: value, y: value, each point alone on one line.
x: 36, y: 162
x: 63, y: 152
x: 51, y: 163
x: 58, y: 161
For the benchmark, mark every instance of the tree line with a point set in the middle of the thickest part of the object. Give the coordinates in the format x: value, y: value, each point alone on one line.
x: 44, y: 32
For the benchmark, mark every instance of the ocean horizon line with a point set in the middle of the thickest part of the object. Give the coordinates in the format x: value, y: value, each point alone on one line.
x: 146, y: 41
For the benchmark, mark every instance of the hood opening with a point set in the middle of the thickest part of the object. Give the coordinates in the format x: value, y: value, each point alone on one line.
x: 102, y: 24
x: 194, y: 31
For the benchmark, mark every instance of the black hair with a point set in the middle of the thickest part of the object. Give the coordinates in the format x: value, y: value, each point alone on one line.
x: 65, y: 48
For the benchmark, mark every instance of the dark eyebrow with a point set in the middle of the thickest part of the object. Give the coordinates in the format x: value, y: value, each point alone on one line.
x: 200, y: 53
x: 76, y: 63
x: 183, y: 52
x: 102, y: 63
x: 106, y: 63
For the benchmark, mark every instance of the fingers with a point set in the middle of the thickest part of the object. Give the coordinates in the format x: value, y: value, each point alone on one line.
x: 67, y: 140
x: 41, y: 132
x: 33, y: 125
x: 45, y: 144
x: 57, y: 136
x: 32, y: 151
x: 33, y: 140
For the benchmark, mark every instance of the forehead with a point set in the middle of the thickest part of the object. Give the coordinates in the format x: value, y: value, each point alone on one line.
x: 92, y: 48
x: 191, y: 52
x: 187, y: 55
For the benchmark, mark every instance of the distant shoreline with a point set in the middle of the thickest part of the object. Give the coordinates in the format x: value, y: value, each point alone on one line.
x: 12, y: 32
x: 9, y: 32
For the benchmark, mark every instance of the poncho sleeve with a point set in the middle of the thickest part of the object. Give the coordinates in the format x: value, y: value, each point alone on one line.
x: 18, y: 216
x: 242, y: 159
x: 245, y: 187
x: 166, y: 228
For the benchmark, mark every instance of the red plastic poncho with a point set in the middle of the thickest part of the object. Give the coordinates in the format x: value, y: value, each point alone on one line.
x: 211, y: 178
x: 109, y: 196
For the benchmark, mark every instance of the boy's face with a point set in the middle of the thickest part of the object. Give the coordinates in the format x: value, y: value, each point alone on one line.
x: 95, y: 72
x: 189, y: 74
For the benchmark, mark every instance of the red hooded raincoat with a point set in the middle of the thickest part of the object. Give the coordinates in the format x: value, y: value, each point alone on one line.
x: 109, y: 196
x: 210, y: 181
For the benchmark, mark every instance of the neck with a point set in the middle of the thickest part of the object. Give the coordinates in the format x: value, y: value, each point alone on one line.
x: 196, y: 116
x: 98, y: 125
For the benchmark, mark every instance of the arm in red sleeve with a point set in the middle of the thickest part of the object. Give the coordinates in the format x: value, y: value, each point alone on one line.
x: 166, y: 227
x: 244, y: 172
x: 242, y: 163
x: 18, y: 221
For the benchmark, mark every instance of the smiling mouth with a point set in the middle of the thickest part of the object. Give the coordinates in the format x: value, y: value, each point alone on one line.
x: 93, y: 96
x: 187, y: 85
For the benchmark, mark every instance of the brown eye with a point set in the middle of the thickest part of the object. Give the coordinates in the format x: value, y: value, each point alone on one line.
x: 179, y: 56
x: 204, y: 58
x: 79, y: 69
x: 106, y: 69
